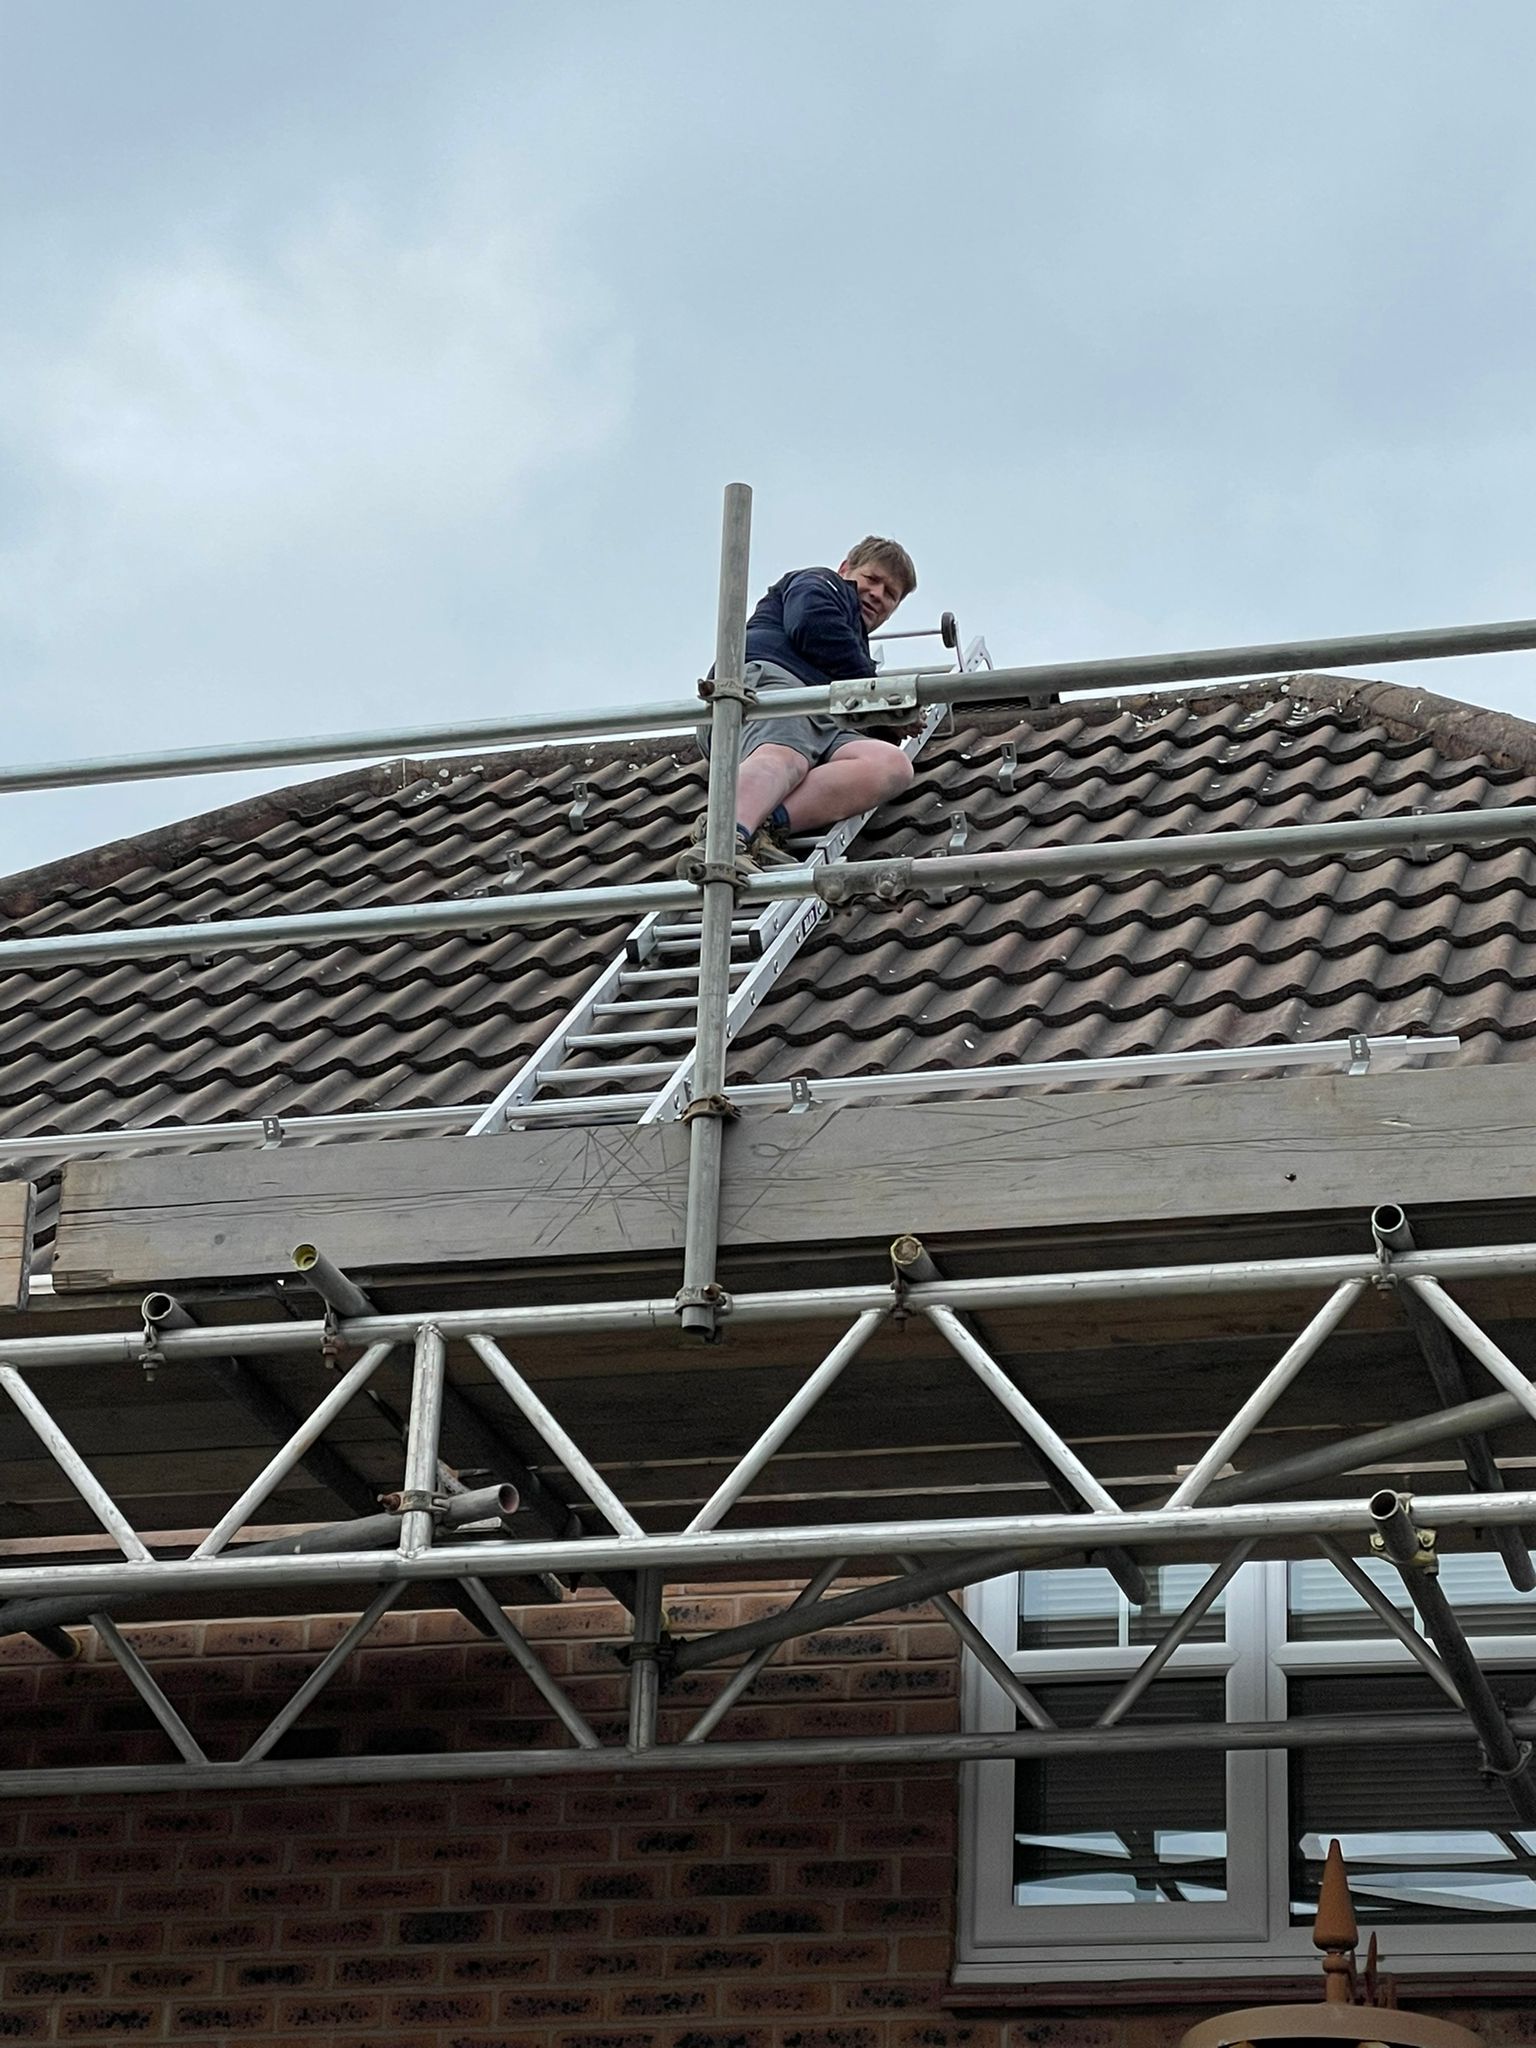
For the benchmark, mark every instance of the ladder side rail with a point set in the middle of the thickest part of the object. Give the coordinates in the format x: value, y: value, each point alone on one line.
x: 781, y: 930
x: 800, y: 919
x: 524, y: 1083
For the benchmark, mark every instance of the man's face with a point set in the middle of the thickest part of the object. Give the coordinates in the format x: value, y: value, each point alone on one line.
x: 879, y: 592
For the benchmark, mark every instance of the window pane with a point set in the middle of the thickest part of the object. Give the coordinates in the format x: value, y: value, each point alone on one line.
x: 1325, y: 1609
x: 1424, y: 1837
x: 1086, y: 1610
x: 1120, y: 1830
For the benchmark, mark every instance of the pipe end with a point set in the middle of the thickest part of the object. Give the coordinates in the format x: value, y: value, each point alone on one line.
x: 1390, y: 1228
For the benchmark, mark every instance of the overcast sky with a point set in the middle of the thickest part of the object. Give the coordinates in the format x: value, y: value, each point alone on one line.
x: 365, y: 362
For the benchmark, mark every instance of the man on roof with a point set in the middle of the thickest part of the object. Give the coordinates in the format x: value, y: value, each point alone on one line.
x: 804, y: 774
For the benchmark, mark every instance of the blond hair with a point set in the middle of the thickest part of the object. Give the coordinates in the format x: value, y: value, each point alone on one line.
x: 885, y: 554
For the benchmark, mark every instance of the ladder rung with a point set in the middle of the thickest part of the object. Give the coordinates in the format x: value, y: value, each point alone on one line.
x: 565, y: 1077
x: 664, y: 1034
x: 610, y: 1109
x: 642, y: 1005
x: 676, y: 926
x: 672, y: 973
x: 656, y: 973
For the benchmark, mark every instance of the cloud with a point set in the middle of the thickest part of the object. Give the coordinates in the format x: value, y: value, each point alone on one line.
x: 344, y: 387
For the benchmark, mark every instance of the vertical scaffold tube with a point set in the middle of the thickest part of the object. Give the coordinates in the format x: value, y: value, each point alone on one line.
x: 416, y: 1519
x: 645, y: 1660
x: 698, y: 1299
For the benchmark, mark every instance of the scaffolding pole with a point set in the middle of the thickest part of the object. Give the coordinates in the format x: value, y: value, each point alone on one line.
x: 1393, y: 1233
x: 912, y: 1263
x: 769, y: 1550
x: 1506, y: 1755
x: 699, y: 1297
x: 1004, y: 685
x: 835, y: 882
x: 1335, y: 1731
x: 792, y: 1305
x: 1389, y: 1444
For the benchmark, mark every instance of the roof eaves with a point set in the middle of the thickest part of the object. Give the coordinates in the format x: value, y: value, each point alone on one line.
x: 167, y: 846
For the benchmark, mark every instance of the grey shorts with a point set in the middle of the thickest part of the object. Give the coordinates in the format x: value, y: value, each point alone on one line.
x: 817, y: 739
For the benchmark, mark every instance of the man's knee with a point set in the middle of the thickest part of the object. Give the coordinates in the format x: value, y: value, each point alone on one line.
x: 889, y: 770
x: 784, y: 763
x: 901, y: 771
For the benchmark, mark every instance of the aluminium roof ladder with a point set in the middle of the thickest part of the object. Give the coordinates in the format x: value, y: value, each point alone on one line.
x: 624, y: 1052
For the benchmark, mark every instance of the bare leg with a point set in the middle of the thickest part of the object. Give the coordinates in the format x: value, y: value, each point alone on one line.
x: 856, y: 778
x: 767, y: 776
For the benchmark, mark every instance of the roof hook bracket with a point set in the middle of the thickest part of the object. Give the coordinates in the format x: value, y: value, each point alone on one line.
x: 1008, y: 767
x: 576, y: 816
x: 1359, y: 1053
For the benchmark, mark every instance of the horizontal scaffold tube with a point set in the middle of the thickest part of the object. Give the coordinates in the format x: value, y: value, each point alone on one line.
x: 1321, y: 1731
x: 834, y: 882
x: 791, y: 1305
x: 1121, y: 672
x: 366, y: 1532
x: 682, y: 1556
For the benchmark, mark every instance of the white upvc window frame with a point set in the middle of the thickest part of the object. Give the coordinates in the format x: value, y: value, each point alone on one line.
x: 1250, y: 1934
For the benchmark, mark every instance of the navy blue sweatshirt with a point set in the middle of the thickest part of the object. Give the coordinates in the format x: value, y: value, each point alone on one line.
x: 810, y: 623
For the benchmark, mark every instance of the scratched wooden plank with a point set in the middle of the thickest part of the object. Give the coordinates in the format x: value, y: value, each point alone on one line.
x: 16, y: 1204
x: 530, y: 1194
x: 1041, y: 1162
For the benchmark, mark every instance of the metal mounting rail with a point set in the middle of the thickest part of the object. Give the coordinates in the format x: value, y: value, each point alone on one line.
x: 646, y: 998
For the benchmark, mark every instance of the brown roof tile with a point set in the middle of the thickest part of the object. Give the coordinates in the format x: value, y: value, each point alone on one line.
x: 1233, y: 954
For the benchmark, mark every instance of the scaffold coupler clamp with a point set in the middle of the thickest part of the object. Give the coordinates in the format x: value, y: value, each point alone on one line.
x: 887, y: 881
x: 1426, y: 1554
x: 872, y: 698
x: 709, y: 1105
x: 414, y: 1500
x: 662, y: 1653
x: 330, y: 1337
x: 1517, y: 1769
x: 906, y: 1251
x: 1391, y: 1235
x: 151, y: 1357
x: 711, y: 1296
x: 694, y: 869
x: 731, y: 872
x: 720, y: 690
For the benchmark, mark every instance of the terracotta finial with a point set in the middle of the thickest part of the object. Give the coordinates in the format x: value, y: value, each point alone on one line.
x: 1335, y: 1932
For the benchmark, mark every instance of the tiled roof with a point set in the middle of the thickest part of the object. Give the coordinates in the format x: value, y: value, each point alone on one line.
x: 1317, y: 948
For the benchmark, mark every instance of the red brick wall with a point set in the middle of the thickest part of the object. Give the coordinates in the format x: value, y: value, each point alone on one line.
x: 795, y: 1910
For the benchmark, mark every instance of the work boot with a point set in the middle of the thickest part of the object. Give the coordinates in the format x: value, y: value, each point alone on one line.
x: 765, y: 849
x: 690, y: 862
